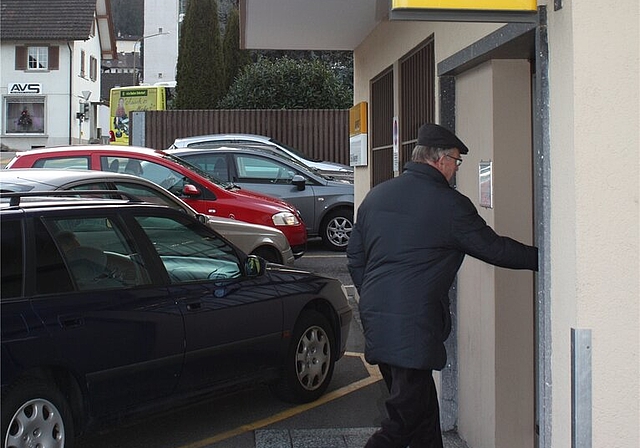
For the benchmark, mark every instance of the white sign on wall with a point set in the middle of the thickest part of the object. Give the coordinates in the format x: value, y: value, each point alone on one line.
x: 31, y: 88
x: 358, y: 150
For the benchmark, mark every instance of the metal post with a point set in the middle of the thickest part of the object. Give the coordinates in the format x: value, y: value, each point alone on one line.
x: 580, y: 388
x: 542, y: 194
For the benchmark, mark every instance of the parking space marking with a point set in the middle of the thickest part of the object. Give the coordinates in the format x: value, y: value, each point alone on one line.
x: 374, y: 376
x: 307, y: 255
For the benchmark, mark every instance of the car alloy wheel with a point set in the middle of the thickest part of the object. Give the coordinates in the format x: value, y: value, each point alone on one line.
x: 337, y: 229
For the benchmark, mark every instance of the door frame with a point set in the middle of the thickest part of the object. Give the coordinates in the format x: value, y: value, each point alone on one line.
x: 512, y: 41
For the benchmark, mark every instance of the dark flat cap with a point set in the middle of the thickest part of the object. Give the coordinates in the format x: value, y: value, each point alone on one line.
x: 435, y: 136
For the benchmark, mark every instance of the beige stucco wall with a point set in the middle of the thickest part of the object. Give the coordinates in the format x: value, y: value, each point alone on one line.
x: 595, y: 226
x: 391, y: 40
x: 592, y: 263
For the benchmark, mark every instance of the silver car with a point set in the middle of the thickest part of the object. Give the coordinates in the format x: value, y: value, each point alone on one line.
x: 325, y: 204
x: 330, y: 169
x: 266, y: 242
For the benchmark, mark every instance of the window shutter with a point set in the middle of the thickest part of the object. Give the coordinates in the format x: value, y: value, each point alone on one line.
x: 54, y: 57
x: 21, y: 58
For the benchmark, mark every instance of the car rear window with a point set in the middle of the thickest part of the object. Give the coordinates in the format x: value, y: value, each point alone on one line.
x: 11, y: 259
x: 51, y: 273
x: 64, y: 163
x: 98, y: 252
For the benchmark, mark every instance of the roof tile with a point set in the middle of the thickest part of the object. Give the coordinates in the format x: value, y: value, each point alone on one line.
x: 46, y: 19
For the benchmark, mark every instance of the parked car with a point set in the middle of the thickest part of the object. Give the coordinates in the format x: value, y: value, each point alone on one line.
x: 111, y: 308
x: 332, y: 169
x: 193, y: 186
x: 326, y: 205
x: 266, y: 242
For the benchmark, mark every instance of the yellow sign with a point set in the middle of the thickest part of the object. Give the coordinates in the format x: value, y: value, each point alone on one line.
x: 358, y: 119
x: 477, y: 5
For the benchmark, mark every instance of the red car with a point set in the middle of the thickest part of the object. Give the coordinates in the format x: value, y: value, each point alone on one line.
x: 194, y: 186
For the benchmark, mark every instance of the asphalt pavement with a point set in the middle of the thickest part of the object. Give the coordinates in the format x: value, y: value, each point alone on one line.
x: 332, y: 264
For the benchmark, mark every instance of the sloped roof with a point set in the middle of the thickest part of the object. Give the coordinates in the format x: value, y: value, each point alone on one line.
x: 110, y: 80
x: 46, y: 19
x: 124, y: 61
x: 36, y: 20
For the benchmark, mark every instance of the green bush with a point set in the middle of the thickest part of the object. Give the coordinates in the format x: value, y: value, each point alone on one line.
x: 287, y: 84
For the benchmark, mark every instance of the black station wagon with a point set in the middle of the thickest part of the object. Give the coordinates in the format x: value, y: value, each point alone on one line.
x: 115, y: 307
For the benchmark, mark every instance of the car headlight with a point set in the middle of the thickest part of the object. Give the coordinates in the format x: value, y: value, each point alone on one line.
x: 285, y: 219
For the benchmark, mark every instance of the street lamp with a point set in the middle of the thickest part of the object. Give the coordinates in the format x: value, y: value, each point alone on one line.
x: 134, y: 51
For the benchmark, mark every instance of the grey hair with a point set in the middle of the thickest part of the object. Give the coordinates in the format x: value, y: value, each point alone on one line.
x: 424, y: 154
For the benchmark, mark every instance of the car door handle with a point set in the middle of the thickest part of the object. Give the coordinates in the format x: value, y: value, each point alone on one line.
x: 194, y: 306
x: 71, y: 321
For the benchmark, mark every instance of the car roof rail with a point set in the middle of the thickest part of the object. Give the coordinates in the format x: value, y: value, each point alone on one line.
x: 16, y: 196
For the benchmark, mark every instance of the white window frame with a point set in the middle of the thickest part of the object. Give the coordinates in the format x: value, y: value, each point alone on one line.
x: 37, y: 58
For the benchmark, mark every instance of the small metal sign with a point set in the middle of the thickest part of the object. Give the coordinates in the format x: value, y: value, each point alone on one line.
x: 358, y: 146
x: 396, y: 147
x: 485, y: 176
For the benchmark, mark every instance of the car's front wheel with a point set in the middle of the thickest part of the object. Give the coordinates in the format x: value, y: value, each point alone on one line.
x: 268, y: 253
x: 36, y: 414
x: 336, y: 229
x: 309, y: 365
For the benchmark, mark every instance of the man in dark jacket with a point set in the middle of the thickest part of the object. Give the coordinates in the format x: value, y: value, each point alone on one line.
x: 411, y: 235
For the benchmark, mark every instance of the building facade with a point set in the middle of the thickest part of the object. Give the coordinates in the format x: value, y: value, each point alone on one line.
x: 161, y: 27
x: 50, y: 74
x: 548, y: 102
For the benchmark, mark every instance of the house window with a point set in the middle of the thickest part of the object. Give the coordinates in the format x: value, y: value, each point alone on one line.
x: 38, y: 58
x: 93, y: 68
x: 82, y: 64
x: 24, y: 115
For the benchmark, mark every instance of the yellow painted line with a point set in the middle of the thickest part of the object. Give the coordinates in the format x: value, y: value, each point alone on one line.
x: 374, y: 376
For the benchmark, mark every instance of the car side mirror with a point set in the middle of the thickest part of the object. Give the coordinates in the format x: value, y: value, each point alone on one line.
x: 299, y: 181
x: 190, y: 190
x: 254, y: 266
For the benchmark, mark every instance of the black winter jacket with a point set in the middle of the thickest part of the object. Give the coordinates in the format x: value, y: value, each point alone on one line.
x: 410, y: 237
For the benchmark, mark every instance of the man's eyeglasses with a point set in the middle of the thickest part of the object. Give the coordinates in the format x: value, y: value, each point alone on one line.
x: 458, y: 161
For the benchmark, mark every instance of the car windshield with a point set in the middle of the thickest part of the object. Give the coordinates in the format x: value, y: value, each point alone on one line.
x: 199, y: 171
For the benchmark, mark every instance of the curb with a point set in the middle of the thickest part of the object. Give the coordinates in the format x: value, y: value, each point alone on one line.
x: 351, y: 291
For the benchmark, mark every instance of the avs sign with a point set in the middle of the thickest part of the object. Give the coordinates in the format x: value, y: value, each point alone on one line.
x: 30, y: 88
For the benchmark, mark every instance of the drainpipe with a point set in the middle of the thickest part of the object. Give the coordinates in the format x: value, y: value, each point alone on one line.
x: 70, y: 90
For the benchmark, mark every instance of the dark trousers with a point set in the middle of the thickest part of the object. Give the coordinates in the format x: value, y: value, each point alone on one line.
x: 413, y: 412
